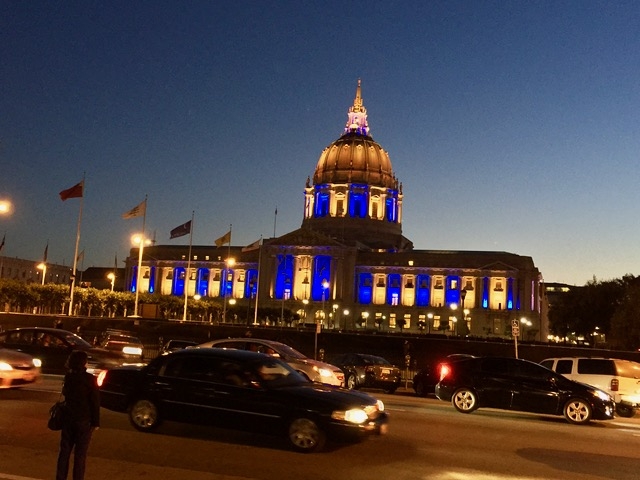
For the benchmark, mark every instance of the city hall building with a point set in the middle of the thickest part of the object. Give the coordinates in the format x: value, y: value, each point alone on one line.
x: 349, y: 267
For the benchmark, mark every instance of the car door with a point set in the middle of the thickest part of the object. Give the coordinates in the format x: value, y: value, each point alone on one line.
x: 186, y: 389
x: 494, y: 383
x: 535, y: 389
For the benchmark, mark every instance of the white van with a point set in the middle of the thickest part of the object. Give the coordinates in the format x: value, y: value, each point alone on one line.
x: 619, y: 378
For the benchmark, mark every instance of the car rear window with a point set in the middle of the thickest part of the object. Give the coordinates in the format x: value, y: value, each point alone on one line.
x: 628, y: 369
x: 594, y: 366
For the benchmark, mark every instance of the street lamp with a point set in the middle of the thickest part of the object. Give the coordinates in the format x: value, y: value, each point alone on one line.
x: 230, y: 262
x: 345, y: 312
x: 365, y: 317
x: 454, y: 307
x: 43, y: 266
x: 112, y: 276
x: 6, y: 207
x: 325, y: 285
x: 463, y: 325
x: 139, y: 240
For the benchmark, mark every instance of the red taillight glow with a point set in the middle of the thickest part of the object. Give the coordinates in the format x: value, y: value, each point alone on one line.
x: 615, y: 384
x: 444, y: 370
x: 101, y: 377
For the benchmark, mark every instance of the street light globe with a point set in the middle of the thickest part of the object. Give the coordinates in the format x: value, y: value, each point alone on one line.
x: 232, y: 301
x: 111, y: 276
x: 41, y: 266
x: 231, y: 262
x: 6, y: 207
x: 345, y: 311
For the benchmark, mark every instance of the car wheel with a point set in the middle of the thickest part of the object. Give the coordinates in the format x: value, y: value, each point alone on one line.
x: 351, y: 382
x: 577, y: 411
x: 390, y: 390
x: 143, y: 415
x: 464, y: 400
x: 306, y: 436
x: 625, y: 411
x: 420, y: 388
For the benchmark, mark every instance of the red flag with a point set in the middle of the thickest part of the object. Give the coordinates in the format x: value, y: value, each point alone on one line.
x: 73, y: 192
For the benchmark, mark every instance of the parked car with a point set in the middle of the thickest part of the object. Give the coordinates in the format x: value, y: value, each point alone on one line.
x: 131, y: 347
x: 425, y: 379
x: 619, y: 378
x: 175, y: 345
x: 368, y: 371
x: 515, y: 384
x: 18, y: 369
x: 314, y: 370
x: 52, y: 347
x: 239, y: 390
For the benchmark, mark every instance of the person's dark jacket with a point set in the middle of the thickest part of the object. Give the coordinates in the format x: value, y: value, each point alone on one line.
x: 82, y: 397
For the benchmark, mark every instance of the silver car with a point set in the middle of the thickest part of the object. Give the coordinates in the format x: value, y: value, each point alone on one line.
x: 312, y: 369
x: 18, y: 369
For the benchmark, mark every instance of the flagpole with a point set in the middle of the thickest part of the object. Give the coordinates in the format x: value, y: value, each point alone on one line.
x: 226, y: 276
x: 75, y: 255
x: 275, y: 218
x: 140, y: 247
x: 255, y: 311
x: 186, y: 276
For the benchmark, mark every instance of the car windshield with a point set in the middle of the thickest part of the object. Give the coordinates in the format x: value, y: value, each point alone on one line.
x: 76, y: 341
x: 274, y: 373
x: 373, y: 360
x: 287, y: 351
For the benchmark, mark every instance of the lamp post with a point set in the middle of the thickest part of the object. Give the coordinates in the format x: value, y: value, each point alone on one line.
x: 463, y: 325
x: 43, y: 266
x: 230, y: 262
x: 325, y: 285
x: 365, y: 317
x: 454, y: 307
x: 141, y: 241
x: 345, y: 313
x: 112, y: 276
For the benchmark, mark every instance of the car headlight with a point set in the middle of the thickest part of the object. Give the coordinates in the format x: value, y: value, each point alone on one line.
x: 132, y: 350
x: 604, y: 396
x: 37, y: 362
x: 354, y: 415
x: 5, y: 367
x: 324, y: 372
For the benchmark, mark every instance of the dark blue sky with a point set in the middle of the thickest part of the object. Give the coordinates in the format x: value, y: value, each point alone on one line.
x: 513, y: 126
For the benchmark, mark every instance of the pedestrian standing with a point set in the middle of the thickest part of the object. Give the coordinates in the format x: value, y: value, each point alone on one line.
x: 82, y: 416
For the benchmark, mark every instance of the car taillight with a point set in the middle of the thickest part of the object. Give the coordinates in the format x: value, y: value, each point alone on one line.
x: 444, y: 370
x: 615, y: 384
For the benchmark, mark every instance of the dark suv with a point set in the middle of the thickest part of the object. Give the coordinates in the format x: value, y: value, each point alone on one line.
x: 513, y: 384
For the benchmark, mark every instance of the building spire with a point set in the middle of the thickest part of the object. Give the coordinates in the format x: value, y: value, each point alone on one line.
x: 357, y: 116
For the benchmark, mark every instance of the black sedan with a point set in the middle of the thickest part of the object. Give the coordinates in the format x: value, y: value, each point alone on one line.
x: 240, y: 390
x: 362, y: 370
x: 52, y: 347
x: 514, y: 384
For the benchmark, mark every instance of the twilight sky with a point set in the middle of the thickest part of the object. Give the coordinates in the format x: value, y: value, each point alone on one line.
x: 513, y: 126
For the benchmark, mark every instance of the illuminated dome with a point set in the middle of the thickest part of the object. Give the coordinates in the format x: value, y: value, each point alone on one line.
x: 355, y: 157
x: 355, y: 196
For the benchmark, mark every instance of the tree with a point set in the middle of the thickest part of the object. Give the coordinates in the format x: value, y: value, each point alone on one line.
x: 402, y: 323
x: 625, y: 326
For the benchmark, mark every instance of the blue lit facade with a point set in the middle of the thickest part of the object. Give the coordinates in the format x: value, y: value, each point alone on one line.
x: 350, y: 255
